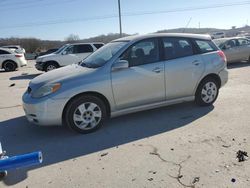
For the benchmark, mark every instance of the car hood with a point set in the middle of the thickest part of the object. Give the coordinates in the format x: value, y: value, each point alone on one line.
x: 47, y: 56
x: 60, y: 75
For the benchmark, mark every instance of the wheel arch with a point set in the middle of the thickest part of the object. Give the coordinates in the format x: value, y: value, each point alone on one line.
x: 92, y: 93
x: 211, y: 75
x: 51, y: 61
x: 7, y: 61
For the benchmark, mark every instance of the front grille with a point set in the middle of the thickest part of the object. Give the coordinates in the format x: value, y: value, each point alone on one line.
x: 29, y: 90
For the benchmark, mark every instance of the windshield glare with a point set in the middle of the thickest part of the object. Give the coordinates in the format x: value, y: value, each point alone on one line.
x: 61, y: 49
x: 102, y: 55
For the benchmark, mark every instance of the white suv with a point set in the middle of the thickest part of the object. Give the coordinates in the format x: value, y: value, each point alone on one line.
x: 66, y: 55
x: 11, y: 60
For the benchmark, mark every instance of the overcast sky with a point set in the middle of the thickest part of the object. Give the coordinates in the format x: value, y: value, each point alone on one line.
x: 56, y: 19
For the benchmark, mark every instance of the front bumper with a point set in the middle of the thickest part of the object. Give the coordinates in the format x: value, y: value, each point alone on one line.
x: 39, y: 66
x: 223, y: 76
x: 43, y: 111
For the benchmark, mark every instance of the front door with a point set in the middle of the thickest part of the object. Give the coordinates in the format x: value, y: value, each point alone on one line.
x: 143, y: 81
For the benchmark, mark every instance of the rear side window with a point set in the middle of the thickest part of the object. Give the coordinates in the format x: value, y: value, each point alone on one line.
x: 243, y: 42
x: 205, y: 46
x: 98, y: 45
x: 2, y: 52
x: 83, y: 48
x: 177, y: 48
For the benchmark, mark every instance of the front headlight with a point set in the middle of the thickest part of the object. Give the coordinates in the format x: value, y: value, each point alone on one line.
x: 46, y: 90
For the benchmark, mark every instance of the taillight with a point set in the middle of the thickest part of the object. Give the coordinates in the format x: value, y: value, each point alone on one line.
x: 19, y: 55
x: 222, y: 55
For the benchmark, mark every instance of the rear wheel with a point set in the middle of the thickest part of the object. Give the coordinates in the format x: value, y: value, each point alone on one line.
x: 50, y: 66
x: 207, y: 92
x: 3, y: 175
x: 85, y: 114
x: 9, y: 66
x: 249, y: 59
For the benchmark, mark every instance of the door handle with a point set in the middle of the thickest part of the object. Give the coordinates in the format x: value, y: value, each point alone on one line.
x: 157, y: 70
x: 196, y: 63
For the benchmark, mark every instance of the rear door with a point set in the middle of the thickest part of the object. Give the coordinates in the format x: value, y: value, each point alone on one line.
x: 244, y: 49
x: 183, y: 68
x: 4, y: 55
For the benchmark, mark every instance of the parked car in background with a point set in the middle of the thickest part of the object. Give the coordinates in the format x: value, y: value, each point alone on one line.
x: 49, y: 51
x: 66, y: 55
x: 128, y: 75
x: 16, y: 48
x: 236, y: 49
x: 10, y: 60
x: 218, y: 35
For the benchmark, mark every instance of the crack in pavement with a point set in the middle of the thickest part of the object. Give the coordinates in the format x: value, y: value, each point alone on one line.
x: 179, y: 175
x: 10, y: 106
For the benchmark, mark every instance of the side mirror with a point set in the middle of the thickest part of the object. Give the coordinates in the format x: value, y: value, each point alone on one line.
x: 64, y: 52
x: 121, y: 64
x: 226, y: 46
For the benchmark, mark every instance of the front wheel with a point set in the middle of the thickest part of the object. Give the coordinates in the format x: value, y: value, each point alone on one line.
x: 50, y: 66
x: 207, y: 92
x: 85, y: 114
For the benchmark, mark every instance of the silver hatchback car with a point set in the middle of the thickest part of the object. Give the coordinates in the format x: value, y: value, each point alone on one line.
x: 125, y: 76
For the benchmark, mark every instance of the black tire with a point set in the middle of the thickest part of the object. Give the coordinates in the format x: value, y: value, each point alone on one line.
x: 249, y: 59
x: 9, y: 66
x: 50, y: 66
x: 3, y: 175
x: 72, y: 109
x: 200, y: 99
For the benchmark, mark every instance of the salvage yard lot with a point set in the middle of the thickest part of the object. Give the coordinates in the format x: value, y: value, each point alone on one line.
x: 177, y: 146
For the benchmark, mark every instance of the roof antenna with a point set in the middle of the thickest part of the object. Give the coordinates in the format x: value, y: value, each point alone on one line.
x: 187, y: 25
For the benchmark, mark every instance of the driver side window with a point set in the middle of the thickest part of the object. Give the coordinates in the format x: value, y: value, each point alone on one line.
x: 143, y: 52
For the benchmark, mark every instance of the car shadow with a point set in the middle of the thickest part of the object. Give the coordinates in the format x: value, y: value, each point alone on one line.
x: 25, y: 77
x: 59, y: 144
x: 238, y: 65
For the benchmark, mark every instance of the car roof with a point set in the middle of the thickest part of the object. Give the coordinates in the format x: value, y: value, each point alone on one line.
x: 84, y: 43
x: 6, y: 49
x: 183, y: 35
x: 230, y: 38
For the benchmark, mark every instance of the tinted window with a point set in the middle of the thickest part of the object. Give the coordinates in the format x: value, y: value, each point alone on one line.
x: 205, y: 46
x: 243, y: 42
x: 3, y: 52
x: 83, y: 48
x: 98, y: 45
x: 143, y: 52
x: 176, y: 48
x: 232, y: 43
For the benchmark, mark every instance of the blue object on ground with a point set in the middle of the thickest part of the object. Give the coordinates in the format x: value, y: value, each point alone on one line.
x: 19, y: 161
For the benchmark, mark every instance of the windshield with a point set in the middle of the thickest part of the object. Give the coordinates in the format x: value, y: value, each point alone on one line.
x: 220, y: 42
x: 61, y: 49
x: 102, y: 55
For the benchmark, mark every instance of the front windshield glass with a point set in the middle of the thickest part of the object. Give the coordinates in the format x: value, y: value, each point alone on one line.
x: 61, y: 49
x: 220, y: 42
x: 102, y: 55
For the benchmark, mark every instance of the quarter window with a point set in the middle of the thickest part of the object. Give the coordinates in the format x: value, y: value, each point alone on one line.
x: 143, y: 52
x: 176, y: 48
x: 2, y: 52
x: 205, y: 46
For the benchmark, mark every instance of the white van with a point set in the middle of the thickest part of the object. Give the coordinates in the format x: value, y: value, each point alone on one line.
x: 218, y: 35
x: 66, y: 55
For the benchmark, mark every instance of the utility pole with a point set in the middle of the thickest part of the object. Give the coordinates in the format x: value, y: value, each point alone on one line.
x: 120, y: 19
